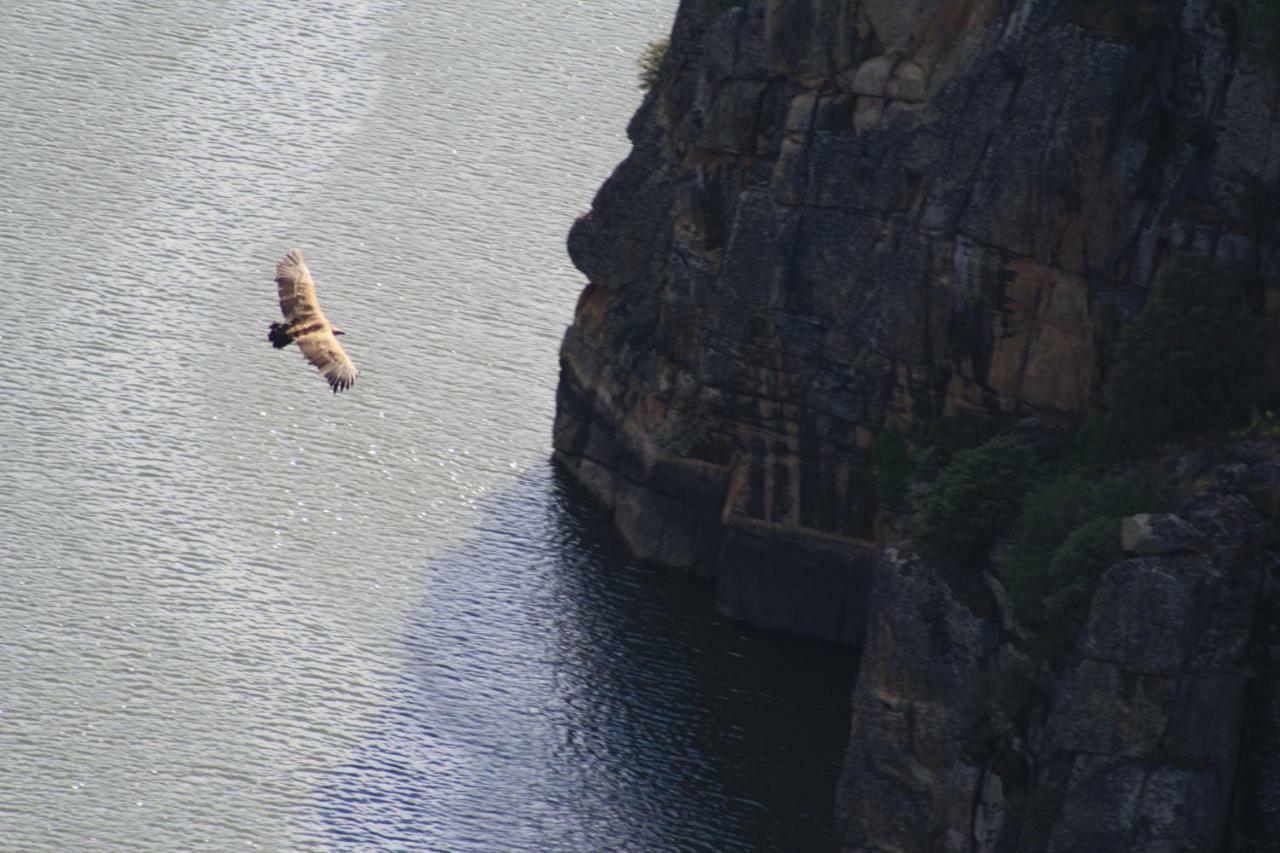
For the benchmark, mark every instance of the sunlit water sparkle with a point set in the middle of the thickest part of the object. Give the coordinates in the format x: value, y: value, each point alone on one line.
x: 239, y: 612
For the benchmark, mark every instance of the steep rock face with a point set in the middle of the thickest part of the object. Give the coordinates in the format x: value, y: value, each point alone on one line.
x: 1155, y: 732
x: 844, y: 215
x: 910, y: 781
x: 841, y: 216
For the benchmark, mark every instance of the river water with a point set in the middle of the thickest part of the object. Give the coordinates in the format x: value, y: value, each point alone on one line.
x: 239, y: 612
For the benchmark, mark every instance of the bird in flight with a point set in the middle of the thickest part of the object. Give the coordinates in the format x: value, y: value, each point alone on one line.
x: 305, y: 324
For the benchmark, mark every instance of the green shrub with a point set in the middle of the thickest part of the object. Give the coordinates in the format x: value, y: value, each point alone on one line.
x: 1094, y: 445
x: 892, y: 465
x: 897, y: 457
x: 650, y: 61
x: 974, y: 498
x: 1073, y: 575
x: 1009, y: 695
x: 1260, y: 27
x: 1191, y: 360
x: 960, y: 431
x: 1263, y: 424
x: 1069, y: 532
x: 1054, y: 510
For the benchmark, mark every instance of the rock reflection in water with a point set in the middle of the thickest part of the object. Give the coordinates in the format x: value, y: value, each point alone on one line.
x: 562, y: 697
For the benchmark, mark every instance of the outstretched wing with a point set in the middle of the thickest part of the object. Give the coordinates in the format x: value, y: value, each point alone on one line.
x: 322, y: 349
x: 308, y: 326
x: 297, y: 291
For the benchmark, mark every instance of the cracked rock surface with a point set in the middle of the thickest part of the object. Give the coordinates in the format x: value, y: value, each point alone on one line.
x: 844, y: 215
x: 1156, y: 730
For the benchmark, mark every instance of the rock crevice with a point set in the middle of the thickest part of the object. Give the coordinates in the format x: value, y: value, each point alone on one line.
x: 844, y: 217
x: 840, y: 217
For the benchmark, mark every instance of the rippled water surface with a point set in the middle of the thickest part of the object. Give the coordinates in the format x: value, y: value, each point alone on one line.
x: 237, y: 611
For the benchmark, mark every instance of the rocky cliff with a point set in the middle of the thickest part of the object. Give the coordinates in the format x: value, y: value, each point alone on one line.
x: 843, y: 215
x: 1156, y: 730
x: 846, y: 217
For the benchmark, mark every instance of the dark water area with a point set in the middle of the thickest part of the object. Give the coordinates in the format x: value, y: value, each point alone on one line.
x: 562, y: 697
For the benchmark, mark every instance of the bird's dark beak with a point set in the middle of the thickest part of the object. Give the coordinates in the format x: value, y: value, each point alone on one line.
x: 337, y: 331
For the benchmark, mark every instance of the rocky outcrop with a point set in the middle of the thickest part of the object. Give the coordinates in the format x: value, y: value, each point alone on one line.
x: 1136, y: 740
x: 910, y: 780
x: 844, y: 215
x: 1158, y: 533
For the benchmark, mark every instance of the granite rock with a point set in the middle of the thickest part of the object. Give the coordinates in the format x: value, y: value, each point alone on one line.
x: 840, y: 217
x: 844, y: 216
x: 1157, y: 533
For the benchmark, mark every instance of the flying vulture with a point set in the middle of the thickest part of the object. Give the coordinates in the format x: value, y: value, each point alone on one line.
x: 305, y: 324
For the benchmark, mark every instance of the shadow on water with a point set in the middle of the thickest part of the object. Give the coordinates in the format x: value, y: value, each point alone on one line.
x: 561, y: 697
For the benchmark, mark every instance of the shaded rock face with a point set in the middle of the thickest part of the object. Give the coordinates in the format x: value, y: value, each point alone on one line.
x: 844, y: 215
x: 1157, y: 731
x: 1162, y: 533
x: 909, y: 782
x: 841, y: 216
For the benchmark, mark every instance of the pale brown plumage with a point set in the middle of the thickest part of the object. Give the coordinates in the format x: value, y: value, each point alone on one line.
x: 306, y: 325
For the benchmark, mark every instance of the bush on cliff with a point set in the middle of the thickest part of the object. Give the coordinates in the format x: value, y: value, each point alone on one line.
x: 898, y: 458
x: 1071, y: 577
x: 1190, y: 361
x: 1260, y: 25
x: 892, y: 465
x: 1068, y: 534
x: 650, y: 61
x: 974, y: 498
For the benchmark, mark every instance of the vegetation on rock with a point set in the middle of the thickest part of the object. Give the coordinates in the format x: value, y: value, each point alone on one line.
x: 650, y: 61
x: 1069, y: 532
x: 1260, y: 23
x: 1188, y: 366
x: 1190, y: 361
x: 892, y: 465
x: 898, y: 457
x: 976, y: 496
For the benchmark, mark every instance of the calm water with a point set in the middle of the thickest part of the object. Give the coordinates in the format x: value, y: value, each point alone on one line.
x: 237, y: 611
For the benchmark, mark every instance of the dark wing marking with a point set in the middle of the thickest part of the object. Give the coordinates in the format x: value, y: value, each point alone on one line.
x: 296, y: 290
x: 321, y: 348
x: 308, y: 326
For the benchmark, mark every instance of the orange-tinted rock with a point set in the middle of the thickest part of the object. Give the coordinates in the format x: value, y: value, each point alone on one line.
x: 840, y: 217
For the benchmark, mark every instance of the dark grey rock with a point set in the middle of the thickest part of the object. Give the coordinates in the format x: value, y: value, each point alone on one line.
x: 1103, y: 708
x: 907, y: 773
x: 791, y: 585
x: 1157, y: 533
x: 841, y: 216
x: 1100, y: 806
x: 1231, y: 478
x: 1146, y: 612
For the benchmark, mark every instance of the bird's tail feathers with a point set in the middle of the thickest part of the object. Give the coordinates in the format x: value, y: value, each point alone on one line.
x: 279, y: 336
